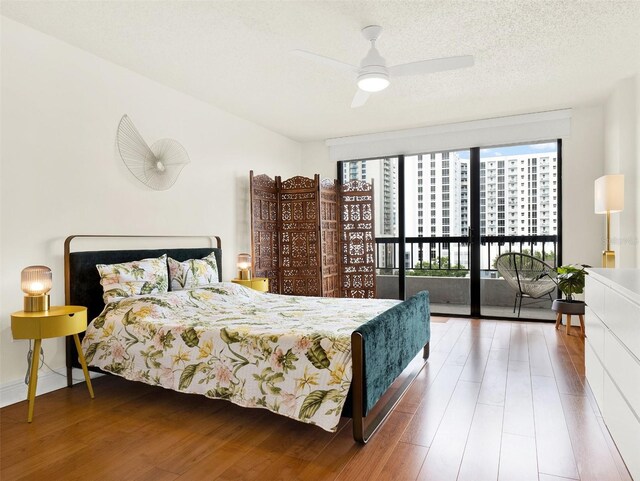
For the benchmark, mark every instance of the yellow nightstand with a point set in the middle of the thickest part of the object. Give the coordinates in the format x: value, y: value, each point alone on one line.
x: 56, y: 322
x: 258, y: 283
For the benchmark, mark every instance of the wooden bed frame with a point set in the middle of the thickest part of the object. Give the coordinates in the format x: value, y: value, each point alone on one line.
x: 82, y: 287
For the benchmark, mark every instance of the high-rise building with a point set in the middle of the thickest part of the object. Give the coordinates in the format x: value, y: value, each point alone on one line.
x: 436, y: 197
x: 434, y: 188
x: 519, y: 195
x: 464, y: 197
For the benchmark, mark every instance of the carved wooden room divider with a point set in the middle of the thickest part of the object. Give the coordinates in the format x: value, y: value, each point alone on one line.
x: 313, y: 238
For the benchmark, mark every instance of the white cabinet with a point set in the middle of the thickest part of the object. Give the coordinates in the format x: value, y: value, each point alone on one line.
x: 612, y: 355
x: 595, y: 374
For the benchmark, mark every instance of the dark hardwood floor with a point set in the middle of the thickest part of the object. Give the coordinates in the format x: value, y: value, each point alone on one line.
x: 497, y: 401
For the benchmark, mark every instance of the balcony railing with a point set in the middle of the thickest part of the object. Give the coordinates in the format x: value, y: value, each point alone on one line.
x: 453, y: 253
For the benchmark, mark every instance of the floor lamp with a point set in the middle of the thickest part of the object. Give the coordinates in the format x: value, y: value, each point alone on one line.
x: 609, y: 197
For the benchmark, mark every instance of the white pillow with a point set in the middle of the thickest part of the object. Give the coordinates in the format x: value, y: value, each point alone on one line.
x: 193, y: 273
x: 148, y: 276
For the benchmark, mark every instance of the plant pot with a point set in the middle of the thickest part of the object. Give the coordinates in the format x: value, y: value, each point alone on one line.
x: 563, y: 306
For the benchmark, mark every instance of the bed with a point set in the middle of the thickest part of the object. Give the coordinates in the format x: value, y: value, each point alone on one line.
x: 311, y: 359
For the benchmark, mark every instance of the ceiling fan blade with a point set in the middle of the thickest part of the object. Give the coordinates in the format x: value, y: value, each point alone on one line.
x: 326, y: 60
x: 431, y: 66
x: 359, y: 99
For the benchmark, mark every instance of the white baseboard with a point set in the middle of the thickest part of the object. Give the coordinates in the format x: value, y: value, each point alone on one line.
x: 16, y: 391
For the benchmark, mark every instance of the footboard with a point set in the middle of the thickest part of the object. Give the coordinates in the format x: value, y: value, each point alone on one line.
x: 382, y: 348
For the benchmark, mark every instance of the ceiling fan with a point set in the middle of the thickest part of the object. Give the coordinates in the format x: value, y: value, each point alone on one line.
x: 373, y: 74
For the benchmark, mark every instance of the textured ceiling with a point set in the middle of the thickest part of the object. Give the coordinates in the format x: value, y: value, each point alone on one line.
x: 530, y: 55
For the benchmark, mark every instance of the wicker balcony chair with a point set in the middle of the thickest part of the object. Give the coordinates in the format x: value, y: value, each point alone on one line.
x: 527, y: 275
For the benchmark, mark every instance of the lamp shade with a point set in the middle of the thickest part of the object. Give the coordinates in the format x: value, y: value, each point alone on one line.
x: 609, y: 193
x: 36, y: 280
x: 244, y: 261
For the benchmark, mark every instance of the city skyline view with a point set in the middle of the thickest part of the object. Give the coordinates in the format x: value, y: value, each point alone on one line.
x: 518, y: 197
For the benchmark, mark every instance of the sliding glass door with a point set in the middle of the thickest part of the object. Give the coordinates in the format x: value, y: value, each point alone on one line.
x: 436, y: 216
x: 443, y: 219
x: 519, y: 215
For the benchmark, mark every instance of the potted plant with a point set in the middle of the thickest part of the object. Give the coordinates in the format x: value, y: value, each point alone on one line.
x: 570, y: 280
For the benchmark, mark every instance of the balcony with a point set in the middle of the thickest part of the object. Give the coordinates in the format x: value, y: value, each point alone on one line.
x: 440, y: 265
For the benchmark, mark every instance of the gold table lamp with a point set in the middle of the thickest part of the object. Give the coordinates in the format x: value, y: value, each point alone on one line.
x: 36, y: 284
x: 244, y: 266
x: 609, y: 197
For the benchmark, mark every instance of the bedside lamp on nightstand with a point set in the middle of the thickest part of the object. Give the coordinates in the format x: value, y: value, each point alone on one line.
x: 244, y: 267
x: 246, y: 279
x: 36, y: 284
x: 40, y: 321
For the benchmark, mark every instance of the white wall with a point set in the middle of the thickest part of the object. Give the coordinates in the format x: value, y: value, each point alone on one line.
x: 582, y: 163
x: 583, y: 155
x: 622, y: 120
x: 61, y: 174
x: 315, y: 160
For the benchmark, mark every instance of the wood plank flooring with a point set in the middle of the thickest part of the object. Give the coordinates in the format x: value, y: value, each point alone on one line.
x: 497, y: 401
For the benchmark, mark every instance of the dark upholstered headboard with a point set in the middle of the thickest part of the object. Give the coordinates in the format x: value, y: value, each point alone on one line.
x: 82, y: 281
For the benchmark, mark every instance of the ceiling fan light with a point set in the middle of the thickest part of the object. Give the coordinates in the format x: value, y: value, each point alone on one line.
x: 373, y: 82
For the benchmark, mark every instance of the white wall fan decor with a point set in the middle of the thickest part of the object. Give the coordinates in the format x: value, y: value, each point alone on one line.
x: 158, y: 166
x: 373, y: 75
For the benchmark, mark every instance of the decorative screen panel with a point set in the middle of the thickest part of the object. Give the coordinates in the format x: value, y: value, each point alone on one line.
x: 300, y: 272
x: 330, y: 237
x: 357, y: 240
x: 264, y: 230
x: 313, y: 239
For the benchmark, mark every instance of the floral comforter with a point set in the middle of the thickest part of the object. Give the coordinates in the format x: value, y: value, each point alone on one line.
x: 288, y: 354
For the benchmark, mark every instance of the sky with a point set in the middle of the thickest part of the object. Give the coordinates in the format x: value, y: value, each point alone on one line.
x: 512, y: 150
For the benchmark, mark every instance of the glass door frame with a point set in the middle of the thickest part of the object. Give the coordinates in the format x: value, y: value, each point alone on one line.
x: 474, y: 233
